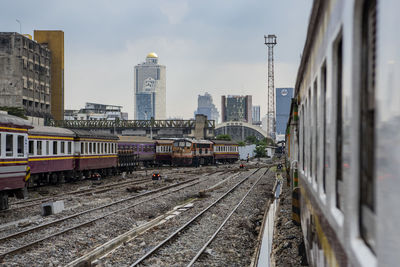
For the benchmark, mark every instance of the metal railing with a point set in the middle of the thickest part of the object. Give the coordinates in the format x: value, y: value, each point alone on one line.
x: 111, y: 124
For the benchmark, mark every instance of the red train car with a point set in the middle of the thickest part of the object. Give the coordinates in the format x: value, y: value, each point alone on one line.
x: 51, y: 155
x: 13, y: 157
x: 187, y: 152
x: 95, y: 153
x: 226, y: 151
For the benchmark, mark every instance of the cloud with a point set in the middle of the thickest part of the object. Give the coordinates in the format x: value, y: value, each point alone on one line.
x: 175, y: 10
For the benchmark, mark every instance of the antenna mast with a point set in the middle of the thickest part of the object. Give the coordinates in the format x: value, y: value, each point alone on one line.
x: 270, y: 42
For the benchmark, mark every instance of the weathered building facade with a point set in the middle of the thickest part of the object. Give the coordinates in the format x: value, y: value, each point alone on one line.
x: 25, y: 76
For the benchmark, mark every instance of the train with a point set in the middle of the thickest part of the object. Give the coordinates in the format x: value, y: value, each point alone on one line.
x: 39, y: 155
x: 342, y: 138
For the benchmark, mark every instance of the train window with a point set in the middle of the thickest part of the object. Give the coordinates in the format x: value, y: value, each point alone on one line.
x: 94, y: 148
x: 20, y: 147
x: 86, y: 147
x: 47, y: 148
x: 98, y: 148
x: 82, y: 148
x: 69, y: 147
x: 316, y: 129
x: 62, y: 147
x: 90, y: 148
x: 366, y: 152
x: 9, y: 145
x: 303, y: 137
x: 39, y: 148
x: 338, y: 56
x: 310, y: 133
x: 31, y: 147
x: 323, y: 91
x: 55, y: 150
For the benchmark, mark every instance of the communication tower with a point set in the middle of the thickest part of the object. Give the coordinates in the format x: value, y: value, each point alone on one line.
x: 270, y: 42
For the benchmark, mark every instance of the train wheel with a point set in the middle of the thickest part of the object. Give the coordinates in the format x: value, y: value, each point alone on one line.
x: 3, y: 201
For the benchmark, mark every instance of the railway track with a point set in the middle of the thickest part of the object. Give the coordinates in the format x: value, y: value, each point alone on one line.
x: 183, y: 229
x: 12, y: 238
x: 80, y: 192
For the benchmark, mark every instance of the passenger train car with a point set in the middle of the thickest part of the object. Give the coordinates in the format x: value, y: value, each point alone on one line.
x: 164, y: 151
x: 343, y: 137
x: 141, y: 146
x: 226, y: 151
x: 13, y: 157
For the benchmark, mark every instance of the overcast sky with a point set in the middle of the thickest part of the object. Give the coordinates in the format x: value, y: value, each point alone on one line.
x: 214, y: 46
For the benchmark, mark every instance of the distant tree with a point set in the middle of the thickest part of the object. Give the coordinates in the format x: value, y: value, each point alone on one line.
x: 226, y: 137
x: 251, y: 139
x: 18, y: 112
x: 241, y: 143
x: 260, y: 151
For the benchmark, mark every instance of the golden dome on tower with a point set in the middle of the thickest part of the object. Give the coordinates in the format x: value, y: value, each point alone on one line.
x: 152, y: 55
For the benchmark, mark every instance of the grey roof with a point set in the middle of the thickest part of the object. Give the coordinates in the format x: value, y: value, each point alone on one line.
x: 10, y: 120
x: 47, y: 130
x: 93, y: 134
x: 224, y: 142
x: 135, y: 139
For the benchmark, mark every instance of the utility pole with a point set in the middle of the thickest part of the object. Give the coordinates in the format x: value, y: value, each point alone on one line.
x: 270, y: 42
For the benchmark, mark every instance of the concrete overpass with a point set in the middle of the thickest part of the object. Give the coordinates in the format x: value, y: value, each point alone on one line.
x: 239, y: 131
x: 200, y: 128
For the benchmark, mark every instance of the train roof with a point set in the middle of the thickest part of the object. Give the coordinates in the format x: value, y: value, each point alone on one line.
x: 94, y: 134
x: 196, y: 141
x: 224, y: 142
x: 51, y: 131
x: 164, y: 141
x: 10, y: 120
x: 135, y: 139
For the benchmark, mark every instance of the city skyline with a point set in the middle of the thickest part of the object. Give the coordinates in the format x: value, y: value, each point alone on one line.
x: 221, y: 52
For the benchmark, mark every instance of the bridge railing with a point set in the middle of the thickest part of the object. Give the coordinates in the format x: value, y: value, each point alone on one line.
x: 103, y: 124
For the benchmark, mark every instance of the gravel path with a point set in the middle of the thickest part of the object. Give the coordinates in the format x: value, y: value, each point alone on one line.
x: 288, y: 238
x: 241, y: 228
x: 62, y: 249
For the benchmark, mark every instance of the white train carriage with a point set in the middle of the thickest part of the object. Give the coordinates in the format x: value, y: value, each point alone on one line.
x: 344, y: 145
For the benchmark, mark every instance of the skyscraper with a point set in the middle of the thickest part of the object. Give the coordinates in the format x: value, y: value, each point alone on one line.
x: 283, y: 101
x: 256, y: 115
x: 150, y: 89
x: 206, y: 107
x: 236, y: 108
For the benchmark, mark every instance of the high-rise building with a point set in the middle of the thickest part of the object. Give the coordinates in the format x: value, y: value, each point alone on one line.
x: 206, y: 107
x: 150, y: 89
x: 236, y: 108
x: 283, y: 101
x: 54, y: 40
x: 25, y: 75
x: 256, y: 115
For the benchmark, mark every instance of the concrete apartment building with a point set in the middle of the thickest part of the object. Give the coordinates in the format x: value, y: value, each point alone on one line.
x: 206, y: 107
x: 96, y: 111
x: 236, y: 108
x: 150, y: 89
x: 25, y: 74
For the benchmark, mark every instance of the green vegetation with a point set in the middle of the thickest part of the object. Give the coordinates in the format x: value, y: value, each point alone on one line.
x: 241, y: 143
x: 225, y: 137
x: 260, y: 151
x: 18, y: 112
